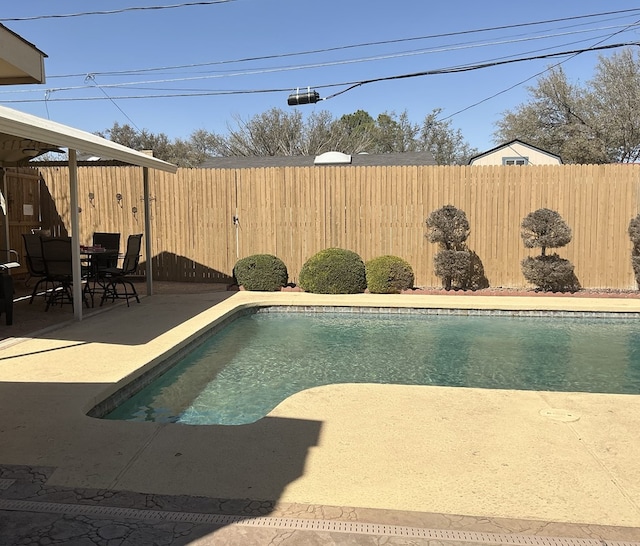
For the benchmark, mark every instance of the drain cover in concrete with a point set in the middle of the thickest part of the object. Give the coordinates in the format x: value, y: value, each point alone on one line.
x: 560, y: 415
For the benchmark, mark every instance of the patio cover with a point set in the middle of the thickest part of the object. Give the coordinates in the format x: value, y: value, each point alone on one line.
x: 23, y: 136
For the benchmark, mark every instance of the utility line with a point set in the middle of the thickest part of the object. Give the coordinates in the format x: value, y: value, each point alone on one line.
x: 354, y: 84
x: 467, y: 68
x: 534, y: 75
x: 442, y: 49
x: 115, y: 11
x: 345, y: 47
x: 129, y: 85
x: 91, y: 77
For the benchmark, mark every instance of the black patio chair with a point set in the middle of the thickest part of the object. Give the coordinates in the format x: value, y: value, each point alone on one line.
x: 100, y: 262
x: 57, y: 258
x: 35, y: 263
x: 116, y: 277
x: 108, y: 241
x: 6, y: 295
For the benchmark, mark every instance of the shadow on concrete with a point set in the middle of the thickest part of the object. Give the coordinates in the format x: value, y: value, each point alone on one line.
x: 244, y: 468
x: 112, y: 323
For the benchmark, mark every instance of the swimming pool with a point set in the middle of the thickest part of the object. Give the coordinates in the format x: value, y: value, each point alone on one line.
x: 243, y: 371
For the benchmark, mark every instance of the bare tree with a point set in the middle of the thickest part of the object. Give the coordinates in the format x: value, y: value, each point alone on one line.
x: 598, y: 122
x: 559, y: 119
x: 615, y: 92
x: 446, y: 144
x: 286, y: 133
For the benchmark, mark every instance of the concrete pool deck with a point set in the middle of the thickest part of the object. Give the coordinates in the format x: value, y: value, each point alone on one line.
x: 558, y: 458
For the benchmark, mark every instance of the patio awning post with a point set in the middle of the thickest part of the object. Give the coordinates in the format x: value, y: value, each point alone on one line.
x: 5, y: 212
x: 147, y: 231
x: 75, y: 235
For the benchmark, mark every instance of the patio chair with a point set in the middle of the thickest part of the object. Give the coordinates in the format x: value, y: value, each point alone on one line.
x: 57, y: 258
x: 116, y: 277
x: 35, y: 263
x: 100, y: 262
x: 6, y: 295
x: 108, y: 241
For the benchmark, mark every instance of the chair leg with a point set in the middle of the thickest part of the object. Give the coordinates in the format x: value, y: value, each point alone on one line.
x: 111, y: 291
x: 34, y: 292
x: 133, y: 293
x: 62, y: 293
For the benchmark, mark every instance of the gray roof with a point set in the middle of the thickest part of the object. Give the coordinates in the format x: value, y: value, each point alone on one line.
x: 391, y: 159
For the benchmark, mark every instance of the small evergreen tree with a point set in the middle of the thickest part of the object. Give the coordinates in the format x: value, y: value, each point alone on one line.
x: 545, y: 228
x: 449, y: 228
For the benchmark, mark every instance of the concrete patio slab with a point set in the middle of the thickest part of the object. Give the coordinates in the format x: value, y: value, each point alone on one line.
x: 569, y: 458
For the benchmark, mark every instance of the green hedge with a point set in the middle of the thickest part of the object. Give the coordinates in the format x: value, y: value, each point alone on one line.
x: 388, y: 275
x: 333, y: 271
x: 261, y: 272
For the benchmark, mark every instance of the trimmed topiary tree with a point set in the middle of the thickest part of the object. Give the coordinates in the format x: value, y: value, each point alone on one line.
x: 449, y: 228
x: 388, y: 275
x: 545, y: 228
x: 634, y: 235
x: 333, y: 271
x: 261, y: 272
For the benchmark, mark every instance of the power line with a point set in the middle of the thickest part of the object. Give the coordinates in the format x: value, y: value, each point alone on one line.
x: 467, y: 68
x: 534, y: 75
x: 442, y: 49
x: 92, y: 79
x: 353, y: 84
x: 115, y: 11
x: 346, y: 47
x: 253, y: 72
x: 92, y: 76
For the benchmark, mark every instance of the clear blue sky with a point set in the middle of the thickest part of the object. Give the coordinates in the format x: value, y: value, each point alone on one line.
x: 215, y: 35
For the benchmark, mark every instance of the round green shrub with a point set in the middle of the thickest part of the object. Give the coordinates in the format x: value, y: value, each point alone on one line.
x: 333, y: 271
x: 261, y: 272
x: 388, y: 275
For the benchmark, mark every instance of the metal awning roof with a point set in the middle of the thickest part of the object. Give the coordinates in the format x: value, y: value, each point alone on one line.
x: 23, y: 136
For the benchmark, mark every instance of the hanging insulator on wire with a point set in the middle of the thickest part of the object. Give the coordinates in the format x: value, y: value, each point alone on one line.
x: 304, y: 97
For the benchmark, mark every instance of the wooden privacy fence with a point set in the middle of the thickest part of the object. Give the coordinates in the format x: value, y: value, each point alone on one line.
x: 204, y: 220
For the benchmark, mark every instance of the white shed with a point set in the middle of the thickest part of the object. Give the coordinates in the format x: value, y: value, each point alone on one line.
x: 516, y: 152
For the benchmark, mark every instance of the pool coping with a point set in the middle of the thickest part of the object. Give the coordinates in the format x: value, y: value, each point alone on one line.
x: 590, y: 460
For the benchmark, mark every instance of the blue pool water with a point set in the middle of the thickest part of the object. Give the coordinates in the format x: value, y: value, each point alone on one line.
x: 242, y: 372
